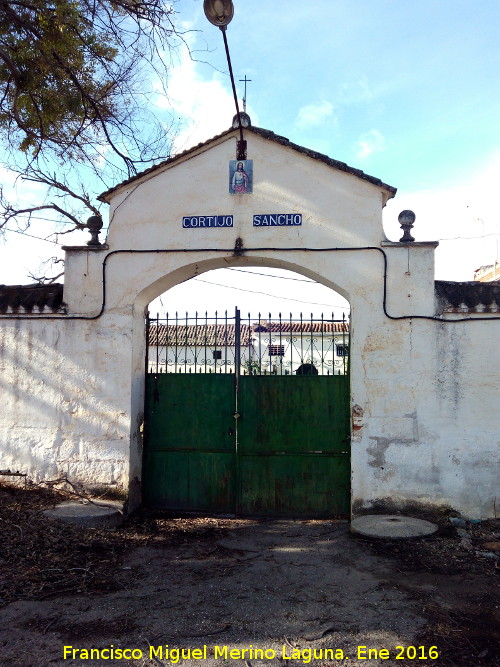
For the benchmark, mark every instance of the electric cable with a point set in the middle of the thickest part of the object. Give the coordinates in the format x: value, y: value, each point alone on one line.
x: 269, y: 275
x: 238, y: 251
x: 281, y: 298
x: 39, y: 238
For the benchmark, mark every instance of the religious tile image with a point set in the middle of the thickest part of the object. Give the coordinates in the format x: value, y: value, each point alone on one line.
x: 240, y: 177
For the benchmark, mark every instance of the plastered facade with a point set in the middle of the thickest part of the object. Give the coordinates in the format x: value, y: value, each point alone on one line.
x: 424, y: 393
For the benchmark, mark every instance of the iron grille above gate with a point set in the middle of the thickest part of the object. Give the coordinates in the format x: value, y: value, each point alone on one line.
x: 248, y: 346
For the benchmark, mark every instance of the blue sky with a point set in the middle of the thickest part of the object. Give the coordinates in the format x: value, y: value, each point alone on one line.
x: 406, y: 91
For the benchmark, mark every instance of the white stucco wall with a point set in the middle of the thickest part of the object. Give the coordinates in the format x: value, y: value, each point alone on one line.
x: 63, y: 413
x: 428, y: 432
x: 432, y: 433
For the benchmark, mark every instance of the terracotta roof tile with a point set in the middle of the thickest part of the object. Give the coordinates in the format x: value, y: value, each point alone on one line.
x: 199, y: 335
x: 304, y: 327
x: 222, y: 335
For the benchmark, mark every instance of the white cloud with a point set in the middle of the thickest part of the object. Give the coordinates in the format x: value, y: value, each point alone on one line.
x: 20, y: 190
x: 370, y: 142
x: 204, y: 107
x: 463, y: 217
x: 22, y: 252
x: 314, y: 114
x: 356, y: 92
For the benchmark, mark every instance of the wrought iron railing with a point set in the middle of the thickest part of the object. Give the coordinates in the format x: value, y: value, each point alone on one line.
x: 249, y: 345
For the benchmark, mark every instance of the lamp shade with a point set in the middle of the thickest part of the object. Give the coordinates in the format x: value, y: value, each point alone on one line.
x: 218, y: 12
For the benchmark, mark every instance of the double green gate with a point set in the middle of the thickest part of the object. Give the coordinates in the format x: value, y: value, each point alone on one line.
x: 251, y: 419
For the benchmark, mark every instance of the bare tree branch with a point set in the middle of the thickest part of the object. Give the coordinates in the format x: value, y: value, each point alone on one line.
x: 44, y: 279
x: 75, y: 99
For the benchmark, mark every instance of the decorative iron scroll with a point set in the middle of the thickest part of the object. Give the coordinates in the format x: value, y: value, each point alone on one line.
x: 271, y: 346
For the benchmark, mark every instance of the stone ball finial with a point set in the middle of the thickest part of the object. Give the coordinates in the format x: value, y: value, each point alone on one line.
x: 406, y: 220
x: 94, y: 225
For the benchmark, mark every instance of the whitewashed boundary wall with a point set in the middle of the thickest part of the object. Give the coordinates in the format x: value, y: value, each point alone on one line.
x: 60, y: 414
x: 424, y: 392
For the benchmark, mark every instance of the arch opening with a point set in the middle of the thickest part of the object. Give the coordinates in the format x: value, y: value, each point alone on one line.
x: 179, y: 276
x: 247, y: 407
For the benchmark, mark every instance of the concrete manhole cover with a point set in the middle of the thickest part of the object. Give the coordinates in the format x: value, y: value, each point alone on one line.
x: 93, y: 516
x: 392, y: 526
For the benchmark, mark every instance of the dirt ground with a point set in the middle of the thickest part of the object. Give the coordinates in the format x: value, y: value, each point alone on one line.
x: 216, y: 591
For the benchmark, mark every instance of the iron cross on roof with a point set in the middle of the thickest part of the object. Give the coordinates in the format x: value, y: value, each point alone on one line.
x: 245, y: 81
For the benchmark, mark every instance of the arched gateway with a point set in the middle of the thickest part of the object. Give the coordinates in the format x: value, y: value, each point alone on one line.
x: 412, y: 438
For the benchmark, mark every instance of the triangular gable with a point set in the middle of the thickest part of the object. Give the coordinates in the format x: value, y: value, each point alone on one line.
x: 266, y: 134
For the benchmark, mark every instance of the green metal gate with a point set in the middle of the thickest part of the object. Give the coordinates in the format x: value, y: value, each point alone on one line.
x: 247, y: 417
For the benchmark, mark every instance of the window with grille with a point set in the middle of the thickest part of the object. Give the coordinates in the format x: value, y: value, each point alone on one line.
x: 217, y: 354
x: 342, y: 350
x: 276, y: 350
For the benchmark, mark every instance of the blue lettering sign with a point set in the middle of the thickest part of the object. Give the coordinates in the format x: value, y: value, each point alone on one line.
x: 204, y: 221
x: 277, y: 219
